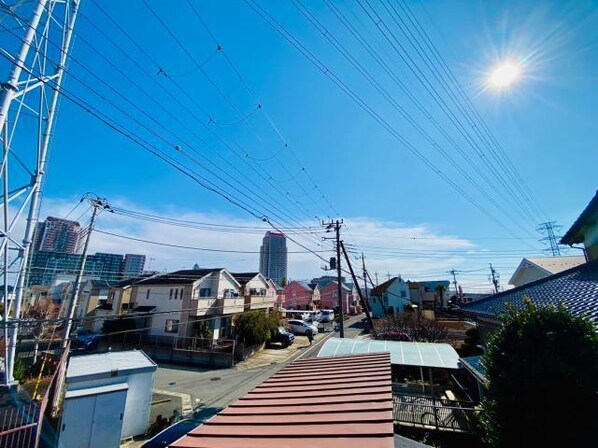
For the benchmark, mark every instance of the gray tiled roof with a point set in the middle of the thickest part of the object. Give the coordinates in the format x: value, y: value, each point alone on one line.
x: 576, y: 288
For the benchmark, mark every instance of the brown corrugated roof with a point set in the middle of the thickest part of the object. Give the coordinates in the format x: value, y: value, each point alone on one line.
x: 337, y: 402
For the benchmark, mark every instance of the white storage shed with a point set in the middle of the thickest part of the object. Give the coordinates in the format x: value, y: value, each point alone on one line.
x: 108, y: 398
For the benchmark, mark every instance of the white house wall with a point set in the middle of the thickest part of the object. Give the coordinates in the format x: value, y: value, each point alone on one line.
x: 159, y: 296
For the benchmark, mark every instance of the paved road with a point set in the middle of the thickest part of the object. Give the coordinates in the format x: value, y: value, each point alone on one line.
x: 217, y: 388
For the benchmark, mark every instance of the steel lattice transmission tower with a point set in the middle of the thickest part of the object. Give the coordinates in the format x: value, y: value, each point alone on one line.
x: 548, y: 228
x: 35, y: 48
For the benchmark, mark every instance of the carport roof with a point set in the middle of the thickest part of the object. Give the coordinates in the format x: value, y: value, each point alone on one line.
x: 339, y: 402
x: 419, y: 354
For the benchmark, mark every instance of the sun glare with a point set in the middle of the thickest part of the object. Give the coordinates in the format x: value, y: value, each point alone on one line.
x: 504, y: 75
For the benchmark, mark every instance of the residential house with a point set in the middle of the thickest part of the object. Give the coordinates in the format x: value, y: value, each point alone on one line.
x: 575, y: 288
x: 329, y: 293
x: 93, y: 293
x: 329, y: 297
x: 532, y: 269
x: 585, y: 230
x: 280, y: 297
x: 259, y: 293
x: 390, y: 297
x: 180, y: 299
x: 302, y: 295
x: 426, y: 295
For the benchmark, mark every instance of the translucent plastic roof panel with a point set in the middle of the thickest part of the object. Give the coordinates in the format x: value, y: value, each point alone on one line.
x: 420, y: 354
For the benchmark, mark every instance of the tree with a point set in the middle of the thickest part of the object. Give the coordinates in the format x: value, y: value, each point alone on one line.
x: 203, y: 329
x: 414, y: 325
x: 542, y: 371
x: 255, y: 327
x: 440, y: 290
x: 284, y: 282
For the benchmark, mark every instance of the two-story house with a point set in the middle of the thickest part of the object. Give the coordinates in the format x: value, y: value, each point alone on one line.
x: 329, y: 297
x: 280, y: 297
x: 302, y: 296
x: 259, y: 293
x: 178, y: 300
x: 390, y: 297
x: 430, y: 294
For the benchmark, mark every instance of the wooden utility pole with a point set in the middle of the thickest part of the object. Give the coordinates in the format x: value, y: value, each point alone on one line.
x: 366, y: 307
x: 98, y: 205
x: 336, y: 227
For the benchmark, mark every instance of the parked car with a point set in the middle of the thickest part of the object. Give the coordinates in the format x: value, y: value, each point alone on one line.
x: 302, y: 327
x: 326, y: 316
x: 306, y: 317
x: 82, y: 338
x: 284, y: 337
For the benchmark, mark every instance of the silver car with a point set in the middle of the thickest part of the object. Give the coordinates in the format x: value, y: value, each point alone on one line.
x: 301, y: 327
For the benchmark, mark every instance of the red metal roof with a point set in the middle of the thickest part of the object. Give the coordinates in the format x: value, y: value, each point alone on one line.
x: 337, y: 402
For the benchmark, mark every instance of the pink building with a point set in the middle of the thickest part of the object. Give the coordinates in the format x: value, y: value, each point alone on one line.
x: 302, y: 296
x: 329, y: 297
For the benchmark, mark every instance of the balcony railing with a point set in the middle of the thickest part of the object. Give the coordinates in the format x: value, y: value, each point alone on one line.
x: 259, y: 302
x: 233, y: 305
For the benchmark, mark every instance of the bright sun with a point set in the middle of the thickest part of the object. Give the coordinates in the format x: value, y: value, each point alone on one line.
x: 504, y: 75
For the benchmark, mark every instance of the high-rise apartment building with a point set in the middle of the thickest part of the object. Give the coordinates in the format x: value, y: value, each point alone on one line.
x: 273, y: 256
x: 45, y: 266
x: 58, y: 235
x: 104, y: 266
x: 132, y: 266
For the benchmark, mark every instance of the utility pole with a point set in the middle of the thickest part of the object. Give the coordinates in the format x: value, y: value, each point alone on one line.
x: 98, y: 205
x: 366, y: 306
x: 33, y: 87
x: 336, y: 227
x: 376, y: 276
x: 365, y: 281
x: 495, y: 277
x: 454, y: 274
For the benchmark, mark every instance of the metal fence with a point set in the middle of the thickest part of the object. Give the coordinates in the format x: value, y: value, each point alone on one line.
x: 429, y: 413
x: 175, y: 349
x: 19, y: 425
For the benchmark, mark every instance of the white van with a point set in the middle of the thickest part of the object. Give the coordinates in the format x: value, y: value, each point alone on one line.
x: 326, y: 315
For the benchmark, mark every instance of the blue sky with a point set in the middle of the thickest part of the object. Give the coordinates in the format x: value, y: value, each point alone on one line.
x: 545, y: 124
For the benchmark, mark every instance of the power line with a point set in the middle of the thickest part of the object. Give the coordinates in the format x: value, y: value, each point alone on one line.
x: 180, y: 246
x: 429, y: 87
x: 390, y: 98
x: 120, y: 130
x: 362, y: 104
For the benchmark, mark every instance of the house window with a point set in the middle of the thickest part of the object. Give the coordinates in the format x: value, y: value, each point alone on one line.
x: 176, y: 294
x: 205, y: 292
x: 230, y: 293
x: 181, y: 296
x: 403, y: 294
x: 170, y: 294
x: 147, y: 293
x: 172, y: 326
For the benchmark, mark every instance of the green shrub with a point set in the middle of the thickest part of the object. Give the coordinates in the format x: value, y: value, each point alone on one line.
x: 255, y: 327
x: 542, y: 371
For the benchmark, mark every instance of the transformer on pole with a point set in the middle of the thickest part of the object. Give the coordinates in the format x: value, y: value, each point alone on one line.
x: 28, y: 103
